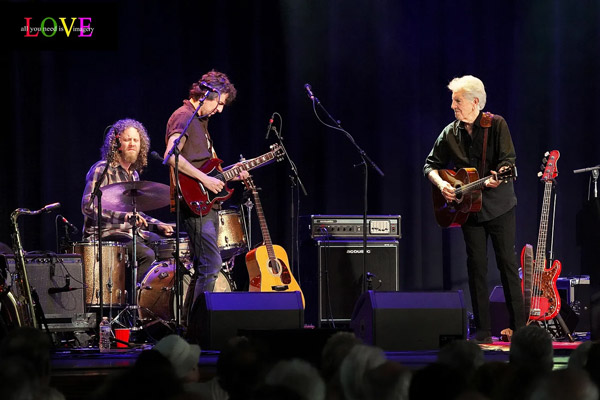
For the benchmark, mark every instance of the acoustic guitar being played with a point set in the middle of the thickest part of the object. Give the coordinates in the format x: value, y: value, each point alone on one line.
x: 467, y: 188
x: 268, y: 264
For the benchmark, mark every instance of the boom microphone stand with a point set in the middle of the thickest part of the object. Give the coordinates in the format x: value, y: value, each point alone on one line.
x: 366, y: 161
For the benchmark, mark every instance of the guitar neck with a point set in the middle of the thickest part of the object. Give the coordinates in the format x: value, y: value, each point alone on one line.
x: 475, y: 185
x: 263, y: 224
x: 247, y: 165
x: 540, y: 255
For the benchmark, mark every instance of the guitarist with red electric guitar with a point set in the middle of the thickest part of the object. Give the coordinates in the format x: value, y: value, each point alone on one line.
x: 202, y: 181
x: 478, y: 144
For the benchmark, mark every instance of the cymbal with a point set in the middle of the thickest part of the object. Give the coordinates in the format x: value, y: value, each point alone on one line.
x: 145, y: 194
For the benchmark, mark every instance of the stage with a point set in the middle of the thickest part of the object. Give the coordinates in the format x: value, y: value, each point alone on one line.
x: 78, y: 372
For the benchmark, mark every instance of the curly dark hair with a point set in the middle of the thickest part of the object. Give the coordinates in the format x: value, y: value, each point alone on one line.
x: 108, y: 150
x: 217, y: 80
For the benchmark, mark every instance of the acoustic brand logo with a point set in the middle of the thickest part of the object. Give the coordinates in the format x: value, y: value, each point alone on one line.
x: 48, y: 27
x: 357, y: 251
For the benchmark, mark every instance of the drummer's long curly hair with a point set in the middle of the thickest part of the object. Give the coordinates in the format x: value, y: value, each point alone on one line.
x: 109, y: 148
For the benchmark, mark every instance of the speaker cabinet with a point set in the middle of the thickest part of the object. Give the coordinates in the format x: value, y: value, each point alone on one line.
x: 333, y: 286
x: 498, y: 312
x: 217, y: 317
x: 406, y: 321
x: 48, y: 274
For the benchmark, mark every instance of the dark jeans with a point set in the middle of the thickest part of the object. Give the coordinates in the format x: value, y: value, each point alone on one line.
x: 144, y: 254
x: 502, y: 232
x: 203, y: 233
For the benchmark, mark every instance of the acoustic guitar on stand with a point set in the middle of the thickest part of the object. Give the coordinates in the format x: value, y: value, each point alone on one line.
x: 268, y: 264
x: 539, y: 283
x: 200, y: 200
x: 467, y: 188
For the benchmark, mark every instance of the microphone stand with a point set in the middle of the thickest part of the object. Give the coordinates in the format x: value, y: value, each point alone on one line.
x: 594, y: 177
x: 98, y: 193
x: 294, y: 182
x: 366, y: 161
x: 174, y: 151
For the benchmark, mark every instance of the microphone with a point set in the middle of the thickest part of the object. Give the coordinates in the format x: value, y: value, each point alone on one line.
x: 156, y: 156
x: 63, y: 289
x: 207, y: 86
x: 50, y: 207
x: 66, y: 288
x: 270, y: 125
x: 309, y: 91
x: 70, y: 225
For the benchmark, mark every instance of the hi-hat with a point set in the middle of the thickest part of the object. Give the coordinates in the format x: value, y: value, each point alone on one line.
x: 145, y: 195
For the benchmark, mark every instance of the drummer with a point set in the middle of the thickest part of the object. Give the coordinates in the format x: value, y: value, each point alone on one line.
x: 125, y: 148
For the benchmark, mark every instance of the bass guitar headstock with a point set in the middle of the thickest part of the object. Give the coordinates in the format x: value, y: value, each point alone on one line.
x: 549, y: 168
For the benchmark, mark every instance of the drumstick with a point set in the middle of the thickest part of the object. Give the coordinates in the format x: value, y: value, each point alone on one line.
x: 162, y: 223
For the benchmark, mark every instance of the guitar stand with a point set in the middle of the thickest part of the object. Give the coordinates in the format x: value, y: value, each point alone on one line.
x: 557, y: 328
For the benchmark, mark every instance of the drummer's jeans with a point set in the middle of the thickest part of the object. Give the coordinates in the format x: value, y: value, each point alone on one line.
x: 203, y: 233
x: 144, y: 255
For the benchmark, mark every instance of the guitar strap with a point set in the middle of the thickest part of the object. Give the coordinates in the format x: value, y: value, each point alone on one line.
x: 486, y: 123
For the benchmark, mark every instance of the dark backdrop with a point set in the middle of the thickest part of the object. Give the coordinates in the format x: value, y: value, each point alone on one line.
x: 380, y: 67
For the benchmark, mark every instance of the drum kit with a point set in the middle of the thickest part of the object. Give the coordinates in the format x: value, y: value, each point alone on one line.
x: 153, y: 299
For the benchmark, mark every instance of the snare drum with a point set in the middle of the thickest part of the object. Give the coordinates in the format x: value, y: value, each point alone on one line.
x: 114, y: 261
x: 232, y: 238
x: 157, y: 293
x: 165, y: 249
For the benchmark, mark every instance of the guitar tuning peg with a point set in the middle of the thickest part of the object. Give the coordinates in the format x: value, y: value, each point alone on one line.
x: 539, y: 174
x: 546, y: 154
x: 543, y: 166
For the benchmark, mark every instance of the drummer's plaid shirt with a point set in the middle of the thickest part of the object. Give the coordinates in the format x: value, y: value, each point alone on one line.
x: 113, y: 222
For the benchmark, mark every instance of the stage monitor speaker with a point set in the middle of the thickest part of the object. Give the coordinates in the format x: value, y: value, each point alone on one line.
x: 407, y: 321
x: 340, y: 271
x: 498, y: 312
x: 217, y: 317
x: 57, y: 280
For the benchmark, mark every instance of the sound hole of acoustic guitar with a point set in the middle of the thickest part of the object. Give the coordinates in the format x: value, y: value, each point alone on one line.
x: 278, y: 268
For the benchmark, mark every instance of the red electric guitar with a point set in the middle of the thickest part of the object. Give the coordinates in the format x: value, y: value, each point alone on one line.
x: 539, y: 282
x: 200, y: 200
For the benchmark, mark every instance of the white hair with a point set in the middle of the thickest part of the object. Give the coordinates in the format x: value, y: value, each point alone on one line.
x: 472, y: 86
x: 299, y: 376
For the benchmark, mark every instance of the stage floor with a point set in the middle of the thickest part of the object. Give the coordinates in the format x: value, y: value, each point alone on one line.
x: 78, y: 372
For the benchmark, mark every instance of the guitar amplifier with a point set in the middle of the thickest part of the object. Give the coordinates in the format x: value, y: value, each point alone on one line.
x: 351, y: 226
x: 332, y: 281
x: 49, y: 274
x: 575, y: 292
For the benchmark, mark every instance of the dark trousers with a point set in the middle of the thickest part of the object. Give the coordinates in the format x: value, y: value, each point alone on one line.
x: 203, y: 233
x: 502, y: 232
x: 144, y: 254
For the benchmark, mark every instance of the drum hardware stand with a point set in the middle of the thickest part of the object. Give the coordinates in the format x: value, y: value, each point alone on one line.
x: 132, y: 309
x: 174, y: 151
x: 226, y: 268
x: 248, y: 217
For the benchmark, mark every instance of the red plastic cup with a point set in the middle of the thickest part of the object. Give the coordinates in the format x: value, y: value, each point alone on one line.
x: 123, y: 335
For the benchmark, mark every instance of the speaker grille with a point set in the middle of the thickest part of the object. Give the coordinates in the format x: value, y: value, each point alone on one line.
x: 341, y: 274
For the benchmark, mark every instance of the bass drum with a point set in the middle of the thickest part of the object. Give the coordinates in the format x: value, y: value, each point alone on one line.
x: 157, y: 292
